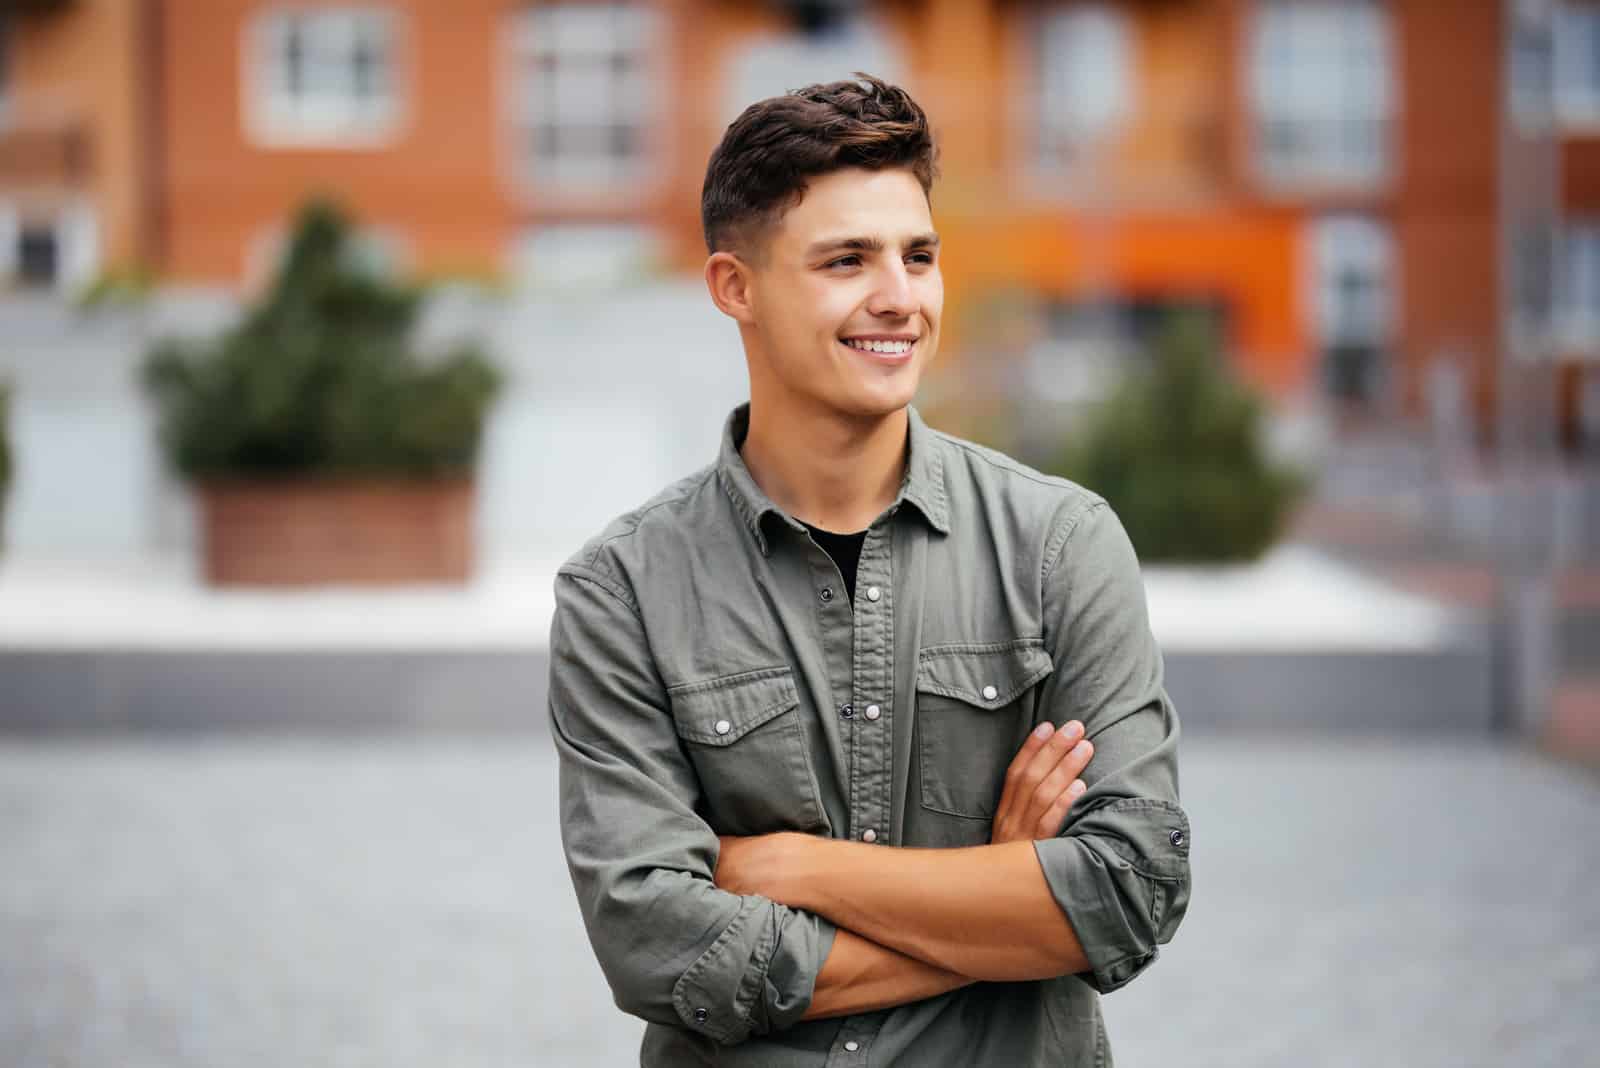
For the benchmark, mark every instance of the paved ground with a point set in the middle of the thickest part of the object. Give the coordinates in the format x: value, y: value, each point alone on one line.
x: 239, y: 902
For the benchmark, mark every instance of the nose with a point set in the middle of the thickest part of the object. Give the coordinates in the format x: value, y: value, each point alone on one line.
x: 892, y: 298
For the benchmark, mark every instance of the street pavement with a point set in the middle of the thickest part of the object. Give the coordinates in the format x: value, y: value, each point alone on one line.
x: 255, y: 900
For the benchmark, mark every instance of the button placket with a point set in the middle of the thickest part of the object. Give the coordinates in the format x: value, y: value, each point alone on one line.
x: 850, y: 1044
x: 871, y: 770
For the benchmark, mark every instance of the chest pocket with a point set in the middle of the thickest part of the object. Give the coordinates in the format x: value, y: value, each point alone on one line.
x: 743, y: 733
x: 975, y: 706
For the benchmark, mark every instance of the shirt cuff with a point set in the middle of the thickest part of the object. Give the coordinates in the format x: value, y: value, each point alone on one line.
x: 758, y: 976
x: 1121, y: 875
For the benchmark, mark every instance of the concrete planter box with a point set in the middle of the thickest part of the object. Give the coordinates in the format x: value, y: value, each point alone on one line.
x: 366, y: 532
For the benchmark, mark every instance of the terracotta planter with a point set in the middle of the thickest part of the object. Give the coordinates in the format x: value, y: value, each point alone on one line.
x: 337, y: 531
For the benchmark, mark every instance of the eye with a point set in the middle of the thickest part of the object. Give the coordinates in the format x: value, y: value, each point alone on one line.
x: 924, y: 258
x: 844, y: 261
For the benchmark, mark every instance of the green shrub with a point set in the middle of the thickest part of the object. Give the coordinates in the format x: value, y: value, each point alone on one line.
x: 125, y: 287
x: 320, y: 378
x: 1177, y: 452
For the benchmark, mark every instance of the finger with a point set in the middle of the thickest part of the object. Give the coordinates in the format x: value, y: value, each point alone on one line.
x: 1044, y: 795
x: 1047, y: 757
x: 1078, y: 756
x: 1050, y: 787
x: 1049, y: 824
x: 1030, y: 746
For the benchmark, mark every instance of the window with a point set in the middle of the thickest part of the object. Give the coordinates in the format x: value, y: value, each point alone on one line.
x: 49, y: 248
x: 1577, y: 64
x: 1322, y: 81
x: 772, y: 64
x: 584, y: 88
x: 585, y: 256
x: 1578, y: 308
x: 1532, y: 266
x: 38, y: 255
x: 1084, y: 86
x: 1352, y: 280
x: 324, y: 77
x: 1087, y: 345
x: 1532, y: 50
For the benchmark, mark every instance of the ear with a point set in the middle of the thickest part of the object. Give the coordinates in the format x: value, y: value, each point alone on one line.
x: 728, y: 282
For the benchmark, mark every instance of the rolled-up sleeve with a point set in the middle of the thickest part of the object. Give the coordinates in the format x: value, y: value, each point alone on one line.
x: 1120, y: 866
x: 674, y: 948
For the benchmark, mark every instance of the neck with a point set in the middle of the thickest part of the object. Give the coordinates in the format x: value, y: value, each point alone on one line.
x: 834, y: 471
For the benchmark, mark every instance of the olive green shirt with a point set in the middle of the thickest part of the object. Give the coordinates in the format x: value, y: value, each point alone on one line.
x: 709, y: 676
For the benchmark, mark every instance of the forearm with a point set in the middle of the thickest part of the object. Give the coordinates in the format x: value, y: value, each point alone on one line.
x: 983, y: 911
x: 860, y: 976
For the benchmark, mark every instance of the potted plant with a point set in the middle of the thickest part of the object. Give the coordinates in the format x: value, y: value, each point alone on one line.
x: 322, y: 447
x: 1178, y: 452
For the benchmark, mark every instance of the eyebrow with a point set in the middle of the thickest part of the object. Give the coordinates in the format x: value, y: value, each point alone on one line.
x: 868, y: 244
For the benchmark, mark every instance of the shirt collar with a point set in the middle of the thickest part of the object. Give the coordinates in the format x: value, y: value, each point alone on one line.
x: 923, y: 485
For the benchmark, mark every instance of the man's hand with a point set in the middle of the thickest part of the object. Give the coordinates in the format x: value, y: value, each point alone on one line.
x: 1041, y: 783
x: 757, y: 864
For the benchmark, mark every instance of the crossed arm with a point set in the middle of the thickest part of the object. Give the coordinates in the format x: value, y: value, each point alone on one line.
x: 742, y: 937
x: 914, y: 923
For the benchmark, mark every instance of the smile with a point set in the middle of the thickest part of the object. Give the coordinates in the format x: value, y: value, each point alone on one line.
x: 882, y: 351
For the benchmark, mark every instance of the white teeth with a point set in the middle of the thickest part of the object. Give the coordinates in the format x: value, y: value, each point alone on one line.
x: 892, y: 348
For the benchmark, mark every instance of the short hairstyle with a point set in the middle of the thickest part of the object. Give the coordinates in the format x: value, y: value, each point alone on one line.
x: 766, y: 156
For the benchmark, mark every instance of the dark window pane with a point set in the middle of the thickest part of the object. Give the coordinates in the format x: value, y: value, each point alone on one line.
x: 624, y: 140
x: 547, y: 140
x: 37, y: 255
x: 294, y: 58
x: 364, y: 70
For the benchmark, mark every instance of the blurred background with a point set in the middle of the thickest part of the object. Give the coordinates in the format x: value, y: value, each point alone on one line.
x: 328, y: 330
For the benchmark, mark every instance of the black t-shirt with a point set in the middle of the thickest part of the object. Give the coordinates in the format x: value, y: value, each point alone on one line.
x: 845, y: 550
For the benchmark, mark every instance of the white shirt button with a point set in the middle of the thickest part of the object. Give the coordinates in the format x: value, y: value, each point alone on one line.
x: 851, y: 1046
x: 869, y: 836
x: 873, y: 593
x: 873, y: 712
x: 723, y: 726
x: 990, y: 693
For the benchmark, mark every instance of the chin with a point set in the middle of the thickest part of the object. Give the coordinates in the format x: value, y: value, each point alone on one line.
x: 883, y: 399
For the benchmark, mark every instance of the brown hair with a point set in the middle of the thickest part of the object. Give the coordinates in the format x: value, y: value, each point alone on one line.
x: 761, y: 167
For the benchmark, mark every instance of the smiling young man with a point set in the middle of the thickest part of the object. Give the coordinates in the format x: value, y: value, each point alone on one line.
x: 818, y: 706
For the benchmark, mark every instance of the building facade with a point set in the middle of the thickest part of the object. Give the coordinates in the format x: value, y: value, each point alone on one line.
x: 1324, y: 176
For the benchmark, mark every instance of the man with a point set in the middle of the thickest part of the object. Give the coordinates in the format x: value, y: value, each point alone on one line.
x: 814, y: 799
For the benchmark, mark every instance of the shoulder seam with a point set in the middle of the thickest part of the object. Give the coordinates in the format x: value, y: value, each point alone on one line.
x: 1058, y: 540
x: 1015, y: 467
x: 638, y: 517
x: 594, y: 578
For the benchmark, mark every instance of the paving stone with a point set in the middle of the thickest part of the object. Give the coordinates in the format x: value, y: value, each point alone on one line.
x: 402, y: 901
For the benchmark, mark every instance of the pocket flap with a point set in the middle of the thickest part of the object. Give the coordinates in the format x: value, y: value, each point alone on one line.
x: 723, y: 710
x: 987, y: 675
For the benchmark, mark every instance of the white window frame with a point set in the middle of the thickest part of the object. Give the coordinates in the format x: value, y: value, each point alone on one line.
x: 1577, y: 66
x: 76, y: 231
x: 1084, y: 61
x: 771, y: 64
x: 1323, y: 72
x: 1534, y: 50
x: 1578, y: 290
x: 328, y: 113
x: 1335, y: 246
x: 573, y: 48
x: 585, y: 256
x: 1362, y: 244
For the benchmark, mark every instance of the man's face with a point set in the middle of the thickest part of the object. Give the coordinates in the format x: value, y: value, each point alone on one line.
x: 848, y: 296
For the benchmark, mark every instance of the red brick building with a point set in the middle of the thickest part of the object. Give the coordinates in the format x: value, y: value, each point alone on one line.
x: 1328, y: 175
